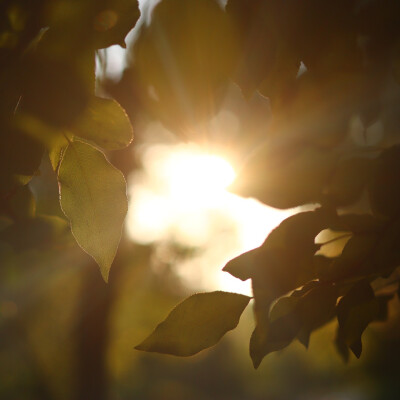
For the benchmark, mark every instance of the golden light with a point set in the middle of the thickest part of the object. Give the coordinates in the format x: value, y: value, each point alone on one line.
x: 181, y: 196
x: 196, y: 179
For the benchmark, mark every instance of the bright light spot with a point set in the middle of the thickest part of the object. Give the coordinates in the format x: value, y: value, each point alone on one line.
x: 196, y: 178
x: 181, y: 196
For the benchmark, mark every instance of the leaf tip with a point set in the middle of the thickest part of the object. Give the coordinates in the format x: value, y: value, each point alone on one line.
x: 105, y: 272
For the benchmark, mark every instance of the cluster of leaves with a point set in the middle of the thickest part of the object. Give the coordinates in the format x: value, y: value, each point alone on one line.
x: 48, y: 105
x: 323, y: 66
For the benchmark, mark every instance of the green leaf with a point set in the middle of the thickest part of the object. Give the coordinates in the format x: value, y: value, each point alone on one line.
x: 197, y: 323
x: 93, y: 197
x: 104, y: 123
x: 56, y: 150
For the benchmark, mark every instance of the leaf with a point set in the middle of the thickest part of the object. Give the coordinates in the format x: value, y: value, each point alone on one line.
x: 355, y: 311
x: 93, y: 197
x: 113, y: 21
x: 387, y: 252
x: 283, y: 263
x: 54, y: 140
x: 293, y: 316
x: 242, y: 266
x: 56, y: 151
x: 274, y: 269
x: 34, y: 232
x: 315, y: 309
x: 197, y: 323
x: 104, y: 123
x: 356, y: 260
x: 285, y: 177
x: 185, y: 64
x: 54, y: 89
x: 20, y: 157
x: 384, y: 189
x: 332, y: 242
x: 22, y: 204
x: 348, y: 180
x: 359, y: 223
x: 273, y: 337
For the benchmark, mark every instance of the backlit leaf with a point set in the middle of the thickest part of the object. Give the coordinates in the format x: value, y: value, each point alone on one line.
x: 184, y: 64
x: 93, y: 197
x: 104, y: 123
x: 197, y: 323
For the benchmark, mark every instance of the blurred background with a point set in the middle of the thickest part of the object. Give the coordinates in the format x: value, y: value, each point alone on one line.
x: 67, y: 335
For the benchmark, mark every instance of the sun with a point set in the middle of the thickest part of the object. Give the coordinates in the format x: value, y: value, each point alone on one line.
x: 182, y: 196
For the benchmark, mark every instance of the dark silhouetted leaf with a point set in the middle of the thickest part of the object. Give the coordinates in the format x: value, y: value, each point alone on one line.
x: 359, y: 223
x: 113, y: 20
x: 315, y: 309
x: 355, y: 311
x: 274, y: 269
x: 294, y: 316
x: 348, y: 181
x: 197, y: 323
x: 20, y: 157
x: 384, y: 189
x: 387, y: 252
x: 242, y: 267
x: 93, y: 197
x: 357, y: 259
x: 286, y: 178
x: 55, y: 90
x: 22, y: 204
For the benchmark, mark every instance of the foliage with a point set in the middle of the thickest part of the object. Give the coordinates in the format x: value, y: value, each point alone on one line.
x: 48, y: 104
x: 324, y: 67
x: 197, y: 323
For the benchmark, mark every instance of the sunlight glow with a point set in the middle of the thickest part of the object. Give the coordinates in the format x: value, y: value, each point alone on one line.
x: 181, y: 197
